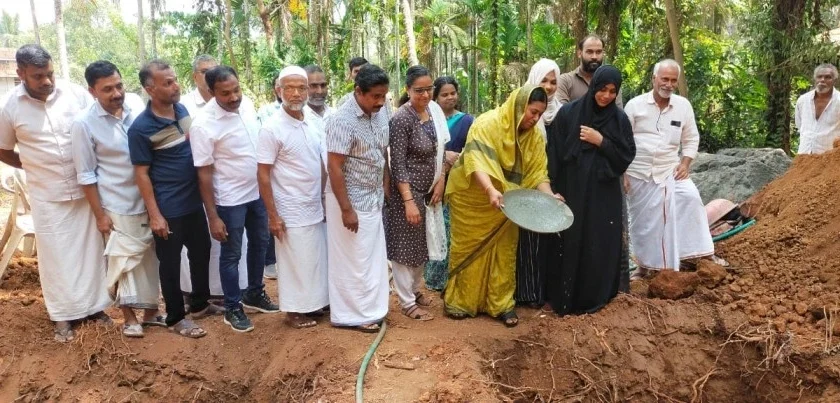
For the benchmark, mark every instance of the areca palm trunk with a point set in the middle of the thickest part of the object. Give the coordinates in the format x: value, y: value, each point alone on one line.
x: 227, y: 30
x: 409, y: 33
x: 62, y: 40
x: 141, y: 34
x: 35, y: 22
x: 674, y: 28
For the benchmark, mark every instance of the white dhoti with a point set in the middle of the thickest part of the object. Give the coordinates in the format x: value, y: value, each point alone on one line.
x: 667, y: 223
x: 71, y: 265
x: 215, y: 279
x: 302, y: 266
x: 132, y: 264
x: 358, y: 268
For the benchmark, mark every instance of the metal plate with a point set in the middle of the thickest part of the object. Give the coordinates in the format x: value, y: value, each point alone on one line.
x: 537, y: 211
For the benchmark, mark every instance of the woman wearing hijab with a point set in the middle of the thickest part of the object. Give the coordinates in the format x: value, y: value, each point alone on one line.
x: 504, y: 151
x: 545, y: 74
x: 590, y: 145
x: 530, y: 275
x: 446, y: 95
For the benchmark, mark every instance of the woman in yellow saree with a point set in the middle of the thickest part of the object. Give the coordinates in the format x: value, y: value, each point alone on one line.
x: 504, y: 151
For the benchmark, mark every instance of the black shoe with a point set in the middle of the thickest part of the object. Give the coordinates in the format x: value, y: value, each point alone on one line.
x: 237, y: 320
x: 260, y: 302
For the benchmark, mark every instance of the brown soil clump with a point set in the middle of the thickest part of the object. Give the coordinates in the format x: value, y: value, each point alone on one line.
x: 711, y: 274
x: 673, y: 284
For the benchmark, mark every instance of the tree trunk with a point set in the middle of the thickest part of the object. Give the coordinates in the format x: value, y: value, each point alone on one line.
x: 409, y: 32
x: 381, y: 36
x: 62, y: 40
x: 245, y: 38
x: 141, y: 34
x: 474, y: 73
x: 35, y: 22
x: 266, y: 23
x: 674, y: 28
x: 528, y: 30
x: 228, y: 41
x: 787, y: 18
x: 153, y: 6
x: 493, y: 60
x: 579, y: 28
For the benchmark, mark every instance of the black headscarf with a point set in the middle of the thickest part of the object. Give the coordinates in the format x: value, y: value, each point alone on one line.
x: 585, y: 111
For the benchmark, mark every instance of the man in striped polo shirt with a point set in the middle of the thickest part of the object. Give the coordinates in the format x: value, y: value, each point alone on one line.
x: 356, y: 142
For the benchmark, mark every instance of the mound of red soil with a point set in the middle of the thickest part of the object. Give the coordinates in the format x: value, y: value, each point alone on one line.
x: 789, y: 262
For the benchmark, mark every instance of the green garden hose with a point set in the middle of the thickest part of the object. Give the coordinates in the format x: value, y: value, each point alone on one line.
x: 360, y: 379
x: 734, y: 231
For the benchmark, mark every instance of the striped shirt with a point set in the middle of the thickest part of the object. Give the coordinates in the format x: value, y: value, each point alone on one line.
x: 363, y: 140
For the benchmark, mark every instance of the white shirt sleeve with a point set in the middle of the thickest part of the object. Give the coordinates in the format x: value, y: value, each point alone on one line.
x: 202, y: 144
x: 630, y: 111
x: 690, y: 140
x: 797, y: 114
x: 7, y: 130
x: 268, y: 146
x: 84, y: 157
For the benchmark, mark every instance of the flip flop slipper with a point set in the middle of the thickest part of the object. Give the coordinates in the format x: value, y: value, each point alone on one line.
x: 159, y: 321
x: 509, y: 319
x: 135, y: 330
x: 417, y: 313
x: 423, y: 299
x: 301, y: 323
x: 369, y: 328
x: 315, y: 314
x: 63, y: 335
x: 189, y: 329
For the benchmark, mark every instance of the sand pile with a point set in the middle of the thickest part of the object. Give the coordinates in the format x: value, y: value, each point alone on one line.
x: 788, y: 265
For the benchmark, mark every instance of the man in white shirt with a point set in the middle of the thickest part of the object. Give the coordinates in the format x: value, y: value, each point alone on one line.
x: 818, y: 113
x: 35, y: 117
x: 195, y: 101
x: 223, y: 140
x: 667, y: 218
x: 316, y: 108
x: 292, y: 179
x: 105, y: 172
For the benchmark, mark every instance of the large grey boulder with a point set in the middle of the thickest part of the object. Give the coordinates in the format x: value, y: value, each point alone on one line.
x: 737, y: 173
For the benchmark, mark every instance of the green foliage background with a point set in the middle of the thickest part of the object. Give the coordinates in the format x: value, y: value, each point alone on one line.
x: 734, y: 50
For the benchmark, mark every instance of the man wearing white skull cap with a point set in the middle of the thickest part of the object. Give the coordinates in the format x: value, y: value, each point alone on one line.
x: 291, y: 179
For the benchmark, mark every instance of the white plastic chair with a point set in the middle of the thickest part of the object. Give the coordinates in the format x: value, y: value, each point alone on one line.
x: 19, y: 224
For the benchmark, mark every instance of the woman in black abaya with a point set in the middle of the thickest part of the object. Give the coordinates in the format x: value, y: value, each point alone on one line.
x: 590, y: 145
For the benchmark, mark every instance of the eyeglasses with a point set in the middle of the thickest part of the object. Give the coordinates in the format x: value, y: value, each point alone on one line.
x: 318, y: 85
x: 421, y: 91
x: 299, y: 90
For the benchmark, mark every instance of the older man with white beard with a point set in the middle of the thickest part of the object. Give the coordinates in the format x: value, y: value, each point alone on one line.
x: 667, y: 218
x: 818, y: 113
x: 291, y: 177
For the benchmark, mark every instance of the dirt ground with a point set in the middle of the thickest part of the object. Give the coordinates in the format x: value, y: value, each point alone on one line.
x: 767, y: 330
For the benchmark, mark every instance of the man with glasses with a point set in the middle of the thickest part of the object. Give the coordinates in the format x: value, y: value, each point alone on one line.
x: 292, y: 178
x: 224, y: 141
x: 667, y: 217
